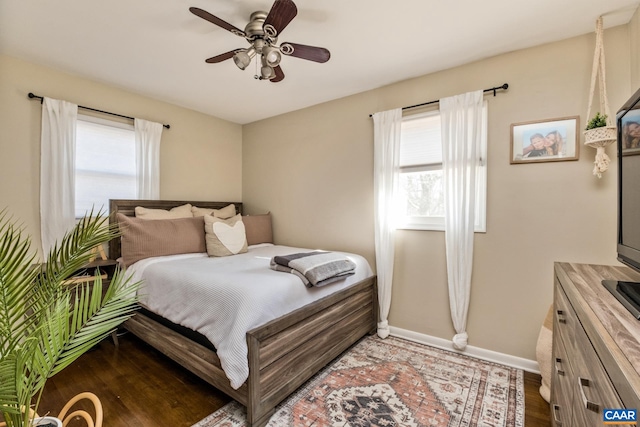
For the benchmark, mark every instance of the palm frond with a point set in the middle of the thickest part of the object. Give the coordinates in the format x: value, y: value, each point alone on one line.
x: 73, y: 328
x: 16, y: 277
x: 95, y: 318
x: 73, y: 252
x: 8, y: 391
x: 17, y: 387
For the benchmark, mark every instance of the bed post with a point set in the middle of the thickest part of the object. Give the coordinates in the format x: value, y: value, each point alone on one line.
x: 256, y: 414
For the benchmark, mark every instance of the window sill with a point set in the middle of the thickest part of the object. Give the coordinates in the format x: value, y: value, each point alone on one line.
x: 421, y: 227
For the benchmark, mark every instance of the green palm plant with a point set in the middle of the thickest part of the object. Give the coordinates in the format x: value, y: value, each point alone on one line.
x: 46, y: 324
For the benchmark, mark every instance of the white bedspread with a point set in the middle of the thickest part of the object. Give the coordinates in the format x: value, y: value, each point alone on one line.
x: 225, y: 297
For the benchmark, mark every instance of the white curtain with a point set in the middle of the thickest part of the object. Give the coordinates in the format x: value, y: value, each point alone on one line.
x: 57, y: 170
x: 148, y: 135
x: 386, y: 172
x: 461, y: 121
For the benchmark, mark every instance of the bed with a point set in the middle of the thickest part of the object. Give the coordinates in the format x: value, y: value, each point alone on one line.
x: 282, y: 353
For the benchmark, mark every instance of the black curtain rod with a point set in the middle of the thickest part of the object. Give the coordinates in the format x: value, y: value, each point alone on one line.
x: 491, y: 89
x: 32, y: 96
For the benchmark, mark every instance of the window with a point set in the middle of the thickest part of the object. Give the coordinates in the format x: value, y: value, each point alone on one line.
x: 421, y: 178
x: 105, y: 163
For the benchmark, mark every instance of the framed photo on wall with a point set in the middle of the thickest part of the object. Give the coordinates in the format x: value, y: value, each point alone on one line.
x: 630, y: 133
x: 553, y: 140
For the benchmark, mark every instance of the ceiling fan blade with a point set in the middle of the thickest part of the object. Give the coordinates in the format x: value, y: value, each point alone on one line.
x: 221, y: 57
x: 217, y: 21
x: 279, y: 75
x: 281, y: 13
x: 311, y: 53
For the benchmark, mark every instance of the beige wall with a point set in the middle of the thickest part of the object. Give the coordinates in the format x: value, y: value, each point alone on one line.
x: 200, y: 157
x: 634, y: 38
x: 313, y: 170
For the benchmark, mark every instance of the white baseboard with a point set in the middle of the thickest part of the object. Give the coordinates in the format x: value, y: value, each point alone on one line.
x: 480, y: 353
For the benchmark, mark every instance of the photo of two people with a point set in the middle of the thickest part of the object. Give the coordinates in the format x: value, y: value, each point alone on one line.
x: 545, y: 141
x: 630, y: 132
x: 541, y: 145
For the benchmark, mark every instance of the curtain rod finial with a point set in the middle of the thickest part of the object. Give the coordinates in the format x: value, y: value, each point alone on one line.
x: 495, y: 89
x: 32, y: 95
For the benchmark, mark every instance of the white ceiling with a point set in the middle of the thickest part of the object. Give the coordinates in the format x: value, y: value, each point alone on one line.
x: 157, y: 48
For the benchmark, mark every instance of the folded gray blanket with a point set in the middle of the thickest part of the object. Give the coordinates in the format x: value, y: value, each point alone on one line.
x: 315, y: 268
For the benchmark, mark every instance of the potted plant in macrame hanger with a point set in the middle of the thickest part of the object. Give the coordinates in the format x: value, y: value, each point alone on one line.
x: 599, y: 134
x: 47, y: 321
x: 600, y: 131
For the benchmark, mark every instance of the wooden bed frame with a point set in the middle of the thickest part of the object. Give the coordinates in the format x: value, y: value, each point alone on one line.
x: 283, y: 353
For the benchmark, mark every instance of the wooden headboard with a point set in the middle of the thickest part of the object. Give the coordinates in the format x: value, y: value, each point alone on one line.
x: 127, y: 207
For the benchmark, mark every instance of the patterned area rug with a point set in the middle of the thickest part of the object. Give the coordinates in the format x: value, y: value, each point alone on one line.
x: 394, y: 382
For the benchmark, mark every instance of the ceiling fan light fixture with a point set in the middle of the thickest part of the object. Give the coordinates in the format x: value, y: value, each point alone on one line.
x: 271, y: 55
x: 243, y: 58
x: 266, y: 72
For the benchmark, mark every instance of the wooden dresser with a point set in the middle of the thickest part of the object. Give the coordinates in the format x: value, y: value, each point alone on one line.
x: 596, y: 346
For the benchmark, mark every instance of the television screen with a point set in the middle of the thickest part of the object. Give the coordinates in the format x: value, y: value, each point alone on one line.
x: 628, y: 124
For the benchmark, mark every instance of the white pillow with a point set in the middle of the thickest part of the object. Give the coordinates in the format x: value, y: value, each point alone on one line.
x: 224, y: 213
x: 225, y: 237
x: 183, y: 211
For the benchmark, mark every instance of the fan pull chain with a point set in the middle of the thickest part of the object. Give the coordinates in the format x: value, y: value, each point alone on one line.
x: 256, y: 76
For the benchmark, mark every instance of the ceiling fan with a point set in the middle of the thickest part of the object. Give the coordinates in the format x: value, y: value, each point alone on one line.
x: 262, y: 33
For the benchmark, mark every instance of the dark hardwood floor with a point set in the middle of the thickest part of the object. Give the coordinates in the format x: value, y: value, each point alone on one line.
x: 536, y: 409
x: 139, y: 387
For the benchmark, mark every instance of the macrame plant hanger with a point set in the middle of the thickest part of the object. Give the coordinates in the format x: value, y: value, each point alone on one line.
x: 600, y: 137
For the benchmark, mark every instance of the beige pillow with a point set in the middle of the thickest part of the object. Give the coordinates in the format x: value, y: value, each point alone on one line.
x: 183, y: 211
x: 258, y: 228
x: 144, y: 239
x: 225, y: 236
x: 224, y: 213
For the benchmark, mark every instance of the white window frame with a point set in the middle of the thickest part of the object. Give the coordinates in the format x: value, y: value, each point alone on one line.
x: 436, y: 223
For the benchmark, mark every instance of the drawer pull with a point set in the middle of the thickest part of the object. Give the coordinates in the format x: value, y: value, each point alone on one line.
x: 561, y: 319
x: 558, y: 370
x: 556, y: 409
x: 582, y: 383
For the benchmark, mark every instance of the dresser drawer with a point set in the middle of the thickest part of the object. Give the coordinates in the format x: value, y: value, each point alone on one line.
x: 592, y: 388
x: 561, y: 389
x: 565, y: 320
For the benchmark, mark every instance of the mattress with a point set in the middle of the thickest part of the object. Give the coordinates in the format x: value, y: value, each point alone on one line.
x: 225, y: 297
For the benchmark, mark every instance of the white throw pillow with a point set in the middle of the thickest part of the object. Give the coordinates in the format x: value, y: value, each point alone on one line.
x: 225, y: 236
x: 224, y: 213
x: 183, y: 211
